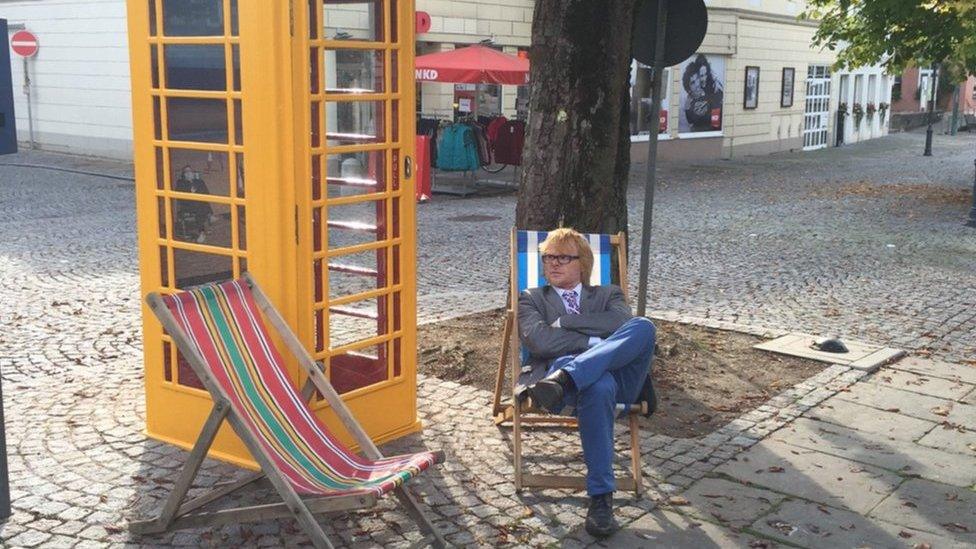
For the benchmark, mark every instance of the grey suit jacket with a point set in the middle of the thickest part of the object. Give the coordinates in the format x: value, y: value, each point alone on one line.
x: 603, y: 309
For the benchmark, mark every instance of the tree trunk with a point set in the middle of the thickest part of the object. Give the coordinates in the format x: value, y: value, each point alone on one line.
x: 577, y: 146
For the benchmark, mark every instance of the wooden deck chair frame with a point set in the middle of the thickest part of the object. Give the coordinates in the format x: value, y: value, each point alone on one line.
x: 175, y: 516
x: 519, y: 414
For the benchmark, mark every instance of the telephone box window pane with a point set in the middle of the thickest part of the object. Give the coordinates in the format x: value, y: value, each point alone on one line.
x: 353, y: 224
x: 240, y: 175
x: 160, y: 172
x: 167, y: 361
x: 193, y: 17
x: 154, y: 66
x: 350, y: 174
x: 355, y: 273
x: 313, y: 22
x: 185, y: 374
x: 356, y: 321
x: 195, y: 67
x: 235, y: 55
x: 195, y: 268
x: 157, y: 119
x: 355, y: 370
x: 201, y: 222
x: 238, y: 122
x: 394, y: 66
x: 351, y: 20
x: 152, y: 17
x: 241, y: 228
x: 397, y: 353
x: 313, y: 70
x: 394, y: 37
x: 354, y: 71
x: 163, y: 266
x: 234, y: 19
x: 200, y: 172
x: 354, y: 122
x: 161, y: 213
x: 201, y: 120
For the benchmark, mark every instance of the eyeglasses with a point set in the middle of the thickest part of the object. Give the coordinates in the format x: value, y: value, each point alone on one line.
x: 558, y: 259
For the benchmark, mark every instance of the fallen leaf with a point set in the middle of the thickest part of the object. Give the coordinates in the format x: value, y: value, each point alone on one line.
x: 952, y: 497
x: 909, y: 504
x: 776, y: 469
x: 954, y: 527
x: 904, y: 534
x: 847, y: 528
x: 921, y: 546
x: 760, y: 544
x: 823, y: 509
x: 895, y: 410
x: 678, y: 500
x: 940, y: 411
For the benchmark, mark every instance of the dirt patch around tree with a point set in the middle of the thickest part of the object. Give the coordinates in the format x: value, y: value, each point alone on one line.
x: 704, y: 378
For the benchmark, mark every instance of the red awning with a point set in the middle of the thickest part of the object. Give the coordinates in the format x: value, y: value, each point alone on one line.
x: 472, y: 65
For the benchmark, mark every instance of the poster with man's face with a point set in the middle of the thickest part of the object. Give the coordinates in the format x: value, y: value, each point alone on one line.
x: 702, y: 92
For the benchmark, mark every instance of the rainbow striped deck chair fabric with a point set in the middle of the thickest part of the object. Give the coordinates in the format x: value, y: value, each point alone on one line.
x: 220, y: 330
x: 527, y: 273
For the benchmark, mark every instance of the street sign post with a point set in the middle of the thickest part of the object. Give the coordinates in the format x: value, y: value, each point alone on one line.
x: 24, y: 43
x: 666, y: 32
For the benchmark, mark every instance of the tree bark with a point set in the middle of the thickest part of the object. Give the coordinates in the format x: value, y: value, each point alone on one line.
x: 577, y: 147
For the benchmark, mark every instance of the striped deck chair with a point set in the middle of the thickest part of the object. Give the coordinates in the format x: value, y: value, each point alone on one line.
x: 527, y: 273
x: 220, y: 331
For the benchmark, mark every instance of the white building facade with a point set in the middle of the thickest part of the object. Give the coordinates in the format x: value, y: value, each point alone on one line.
x: 755, y: 86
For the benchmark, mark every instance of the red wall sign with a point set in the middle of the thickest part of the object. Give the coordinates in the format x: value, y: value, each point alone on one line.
x: 24, y: 43
x: 423, y: 22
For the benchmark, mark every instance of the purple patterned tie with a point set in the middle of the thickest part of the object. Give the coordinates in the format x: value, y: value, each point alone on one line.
x: 572, y: 305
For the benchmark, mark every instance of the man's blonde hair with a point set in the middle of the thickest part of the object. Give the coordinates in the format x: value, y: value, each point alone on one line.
x: 559, y: 238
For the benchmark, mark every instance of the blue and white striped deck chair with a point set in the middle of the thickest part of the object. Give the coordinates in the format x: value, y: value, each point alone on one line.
x: 527, y: 273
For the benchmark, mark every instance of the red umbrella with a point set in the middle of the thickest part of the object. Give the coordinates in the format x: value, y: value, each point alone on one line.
x: 472, y: 65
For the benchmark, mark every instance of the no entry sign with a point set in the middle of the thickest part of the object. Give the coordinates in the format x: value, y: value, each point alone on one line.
x: 24, y: 43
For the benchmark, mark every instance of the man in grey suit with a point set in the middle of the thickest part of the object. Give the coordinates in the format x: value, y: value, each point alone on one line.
x: 596, y: 353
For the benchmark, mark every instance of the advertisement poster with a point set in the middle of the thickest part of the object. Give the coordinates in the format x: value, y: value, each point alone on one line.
x: 702, y: 94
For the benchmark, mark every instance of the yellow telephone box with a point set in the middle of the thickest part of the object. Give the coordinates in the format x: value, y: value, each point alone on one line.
x: 275, y: 137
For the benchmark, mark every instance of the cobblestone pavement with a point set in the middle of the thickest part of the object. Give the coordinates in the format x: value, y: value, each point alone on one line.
x: 769, y: 253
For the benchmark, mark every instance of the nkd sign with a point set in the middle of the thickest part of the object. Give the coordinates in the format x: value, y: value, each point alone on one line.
x: 426, y: 74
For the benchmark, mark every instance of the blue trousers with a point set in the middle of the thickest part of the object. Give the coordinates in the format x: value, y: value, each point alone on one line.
x: 609, y: 372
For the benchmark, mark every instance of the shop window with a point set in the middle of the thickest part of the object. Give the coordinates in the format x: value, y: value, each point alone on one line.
x: 643, y: 116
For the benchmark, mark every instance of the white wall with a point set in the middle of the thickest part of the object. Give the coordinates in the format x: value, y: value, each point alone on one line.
x: 80, y: 77
x: 863, y: 94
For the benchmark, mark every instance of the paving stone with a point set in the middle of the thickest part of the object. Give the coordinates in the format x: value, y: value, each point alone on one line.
x: 812, y: 475
x: 812, y: 525
x: 728, y: 503
x: 905, y: 458
x: 30, y: 538
x: 661, y: 528
x: 933, y: 507
x: 911, y: 404
x: 936, y: 368
x: 922, y: 383
x: 952, y: 438
x: 865, y: 418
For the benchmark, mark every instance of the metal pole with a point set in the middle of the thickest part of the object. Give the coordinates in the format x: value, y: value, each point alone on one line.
x: 953, y: 125
x: 972, y: 212
x: 928, y: 133
x: 4, y: 477
x: 30, y: 114
x: 662, y: 25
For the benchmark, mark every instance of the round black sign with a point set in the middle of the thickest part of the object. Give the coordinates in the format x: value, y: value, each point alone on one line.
x: 687, y: 23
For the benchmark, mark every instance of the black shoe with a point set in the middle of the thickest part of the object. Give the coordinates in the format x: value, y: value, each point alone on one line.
x: 599, y: 518
x: 547, y: 393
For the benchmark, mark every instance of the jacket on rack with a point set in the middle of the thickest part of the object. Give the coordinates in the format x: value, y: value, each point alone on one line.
x: 457, y: 149
x: 509, y: 143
